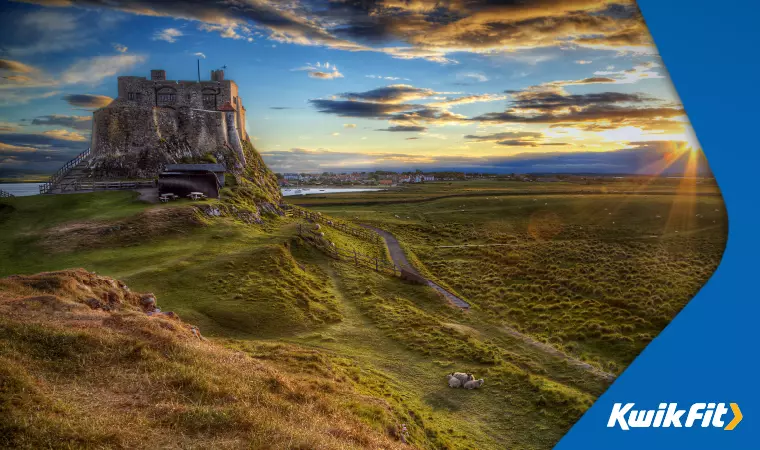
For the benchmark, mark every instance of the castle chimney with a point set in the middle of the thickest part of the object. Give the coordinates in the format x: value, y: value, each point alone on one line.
x: 158, y: 75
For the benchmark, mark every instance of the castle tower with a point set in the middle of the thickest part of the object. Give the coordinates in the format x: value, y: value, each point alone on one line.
x: 233, y: 135
x: 217, y: 75
x: 158, y: 75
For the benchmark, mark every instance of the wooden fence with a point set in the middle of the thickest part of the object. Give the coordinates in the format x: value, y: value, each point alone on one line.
x: 360, y: 259
x: 4, y: 194
x: 107, y: 185
x: 362, y: 233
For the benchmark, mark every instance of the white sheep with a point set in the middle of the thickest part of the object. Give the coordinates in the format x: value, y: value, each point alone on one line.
x: 474, y: 384
x: 453, y: 381
x: 463, y: 377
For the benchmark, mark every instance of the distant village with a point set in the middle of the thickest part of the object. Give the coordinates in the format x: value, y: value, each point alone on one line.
x: 386, y: 178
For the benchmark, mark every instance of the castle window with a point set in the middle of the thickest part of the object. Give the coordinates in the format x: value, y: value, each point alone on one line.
x: 167, y: 98
x: 209, y: 100
x: 131, y: 96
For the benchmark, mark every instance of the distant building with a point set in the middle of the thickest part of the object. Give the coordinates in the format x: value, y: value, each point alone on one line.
x: 387, y: 182
x: 291, y: 176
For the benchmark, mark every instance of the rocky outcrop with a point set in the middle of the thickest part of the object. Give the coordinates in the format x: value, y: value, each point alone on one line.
x: 135, y: 141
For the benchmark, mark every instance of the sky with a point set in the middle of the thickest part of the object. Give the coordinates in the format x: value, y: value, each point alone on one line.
x: 573, y: 86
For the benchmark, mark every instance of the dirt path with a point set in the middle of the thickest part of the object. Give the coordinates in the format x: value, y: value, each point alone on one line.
x: 399, y: 259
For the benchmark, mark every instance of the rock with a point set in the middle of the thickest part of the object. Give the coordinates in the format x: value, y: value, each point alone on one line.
x: 93, y: 303
x: 148, y: 302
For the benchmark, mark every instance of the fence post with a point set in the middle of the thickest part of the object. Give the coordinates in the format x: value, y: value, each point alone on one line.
x: 356, y: 258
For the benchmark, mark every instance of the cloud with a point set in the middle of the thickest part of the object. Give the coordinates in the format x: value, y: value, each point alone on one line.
x: 7, y: 65
x: 514, y: 139
x: 94, y: 69
x: 468, y: 99
x: 651, y: 157
x: 472, y: 76
x: 405, y: 128
x: 6, y: 148
x: 322, y: 71
x: 200, y: 55
x: 348, y: 108
x: 120, y: 48
x: 44, y: 31
x: 227, y: 31
x: 387, y: 78
x: 15, y: 74
x: 349, y: 125
x: 583, y: 61
x: 17, y: 97
x: 82, y: 123
x: 395, y: 93
x: 335, y: 134
x: 412, y: 29
x: 35, y: 153
x: 6, y: 127
x: 87, y: 100
x: 65, y: 135
x: 167, y: 34
x: 552, y: 105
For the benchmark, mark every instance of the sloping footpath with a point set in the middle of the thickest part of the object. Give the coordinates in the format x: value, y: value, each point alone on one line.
x: 399, y: 259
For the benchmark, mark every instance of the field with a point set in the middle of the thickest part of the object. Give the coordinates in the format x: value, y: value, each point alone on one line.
x: 594, y: 275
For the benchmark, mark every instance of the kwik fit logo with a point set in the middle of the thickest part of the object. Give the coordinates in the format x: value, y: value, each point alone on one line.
x: 669, y: 415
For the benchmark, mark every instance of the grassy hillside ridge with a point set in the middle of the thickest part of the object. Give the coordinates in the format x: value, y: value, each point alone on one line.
x: 598, y: 276
x: 364, y: 346
x: 76, y: 376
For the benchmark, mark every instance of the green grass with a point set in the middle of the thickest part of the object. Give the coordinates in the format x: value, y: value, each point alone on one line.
x: 554, y: 266
x: 596, y: 275
x: 414, y: 193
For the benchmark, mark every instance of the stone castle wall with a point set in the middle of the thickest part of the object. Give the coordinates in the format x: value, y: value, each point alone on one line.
x: 157, y: 122
x: 207, y: 95
x: 135, y: 141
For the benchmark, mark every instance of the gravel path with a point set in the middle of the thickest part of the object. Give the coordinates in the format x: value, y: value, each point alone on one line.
x: 399, y: 259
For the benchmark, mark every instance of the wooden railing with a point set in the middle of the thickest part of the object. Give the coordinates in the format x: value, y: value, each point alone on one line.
x: 107, y: 185
x: 4, y: 194
x: 357, y: 231
x: 62, y: 172
x: 351, y: 255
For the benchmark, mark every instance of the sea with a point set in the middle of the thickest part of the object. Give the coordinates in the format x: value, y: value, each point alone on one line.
x: 21, y: 189
x: 26, y: 189
x: 312, y: 191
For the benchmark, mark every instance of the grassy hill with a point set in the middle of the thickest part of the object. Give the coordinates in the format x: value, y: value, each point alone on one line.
x: 364, y: 349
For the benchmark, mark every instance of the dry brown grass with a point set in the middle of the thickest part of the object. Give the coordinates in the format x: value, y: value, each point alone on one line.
x: 149, y: 224
x: 73, y: 376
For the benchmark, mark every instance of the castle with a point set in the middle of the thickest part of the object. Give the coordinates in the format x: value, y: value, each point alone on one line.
x: 205, y: 95
x: 156, y: 121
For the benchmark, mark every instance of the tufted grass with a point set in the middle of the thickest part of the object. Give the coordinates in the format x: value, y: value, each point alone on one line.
x: 596, y: 276
x: 369, y: 349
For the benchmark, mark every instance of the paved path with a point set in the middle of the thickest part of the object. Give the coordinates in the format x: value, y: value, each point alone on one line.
x: 399, y: 259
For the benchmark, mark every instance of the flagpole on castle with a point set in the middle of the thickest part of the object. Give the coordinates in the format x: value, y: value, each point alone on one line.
x: 199, y: 70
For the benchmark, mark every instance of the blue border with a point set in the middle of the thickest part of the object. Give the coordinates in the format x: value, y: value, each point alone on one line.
x: 709, y: 352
